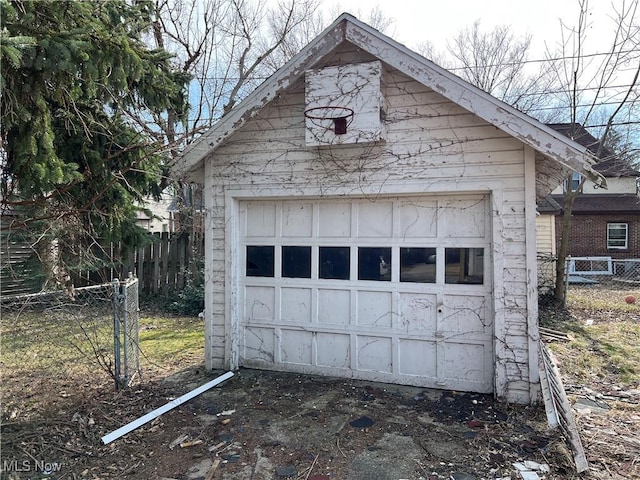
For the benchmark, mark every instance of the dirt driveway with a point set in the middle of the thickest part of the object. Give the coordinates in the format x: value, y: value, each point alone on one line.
x: 278, y: 425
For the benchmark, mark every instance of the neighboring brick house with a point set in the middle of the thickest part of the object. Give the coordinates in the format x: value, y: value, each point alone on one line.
x: 606, y: 223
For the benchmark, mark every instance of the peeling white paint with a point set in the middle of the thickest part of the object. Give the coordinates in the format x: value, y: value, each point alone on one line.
x: 441, y: 160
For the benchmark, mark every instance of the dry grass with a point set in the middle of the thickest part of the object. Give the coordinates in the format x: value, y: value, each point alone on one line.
x: 605, y: 333
x: 57, y: 395
x: 47, y: 350
x: 600, y: 299
x: 601, y: 363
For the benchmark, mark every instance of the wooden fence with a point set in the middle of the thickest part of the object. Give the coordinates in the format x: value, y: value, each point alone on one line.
x: 162, y: 266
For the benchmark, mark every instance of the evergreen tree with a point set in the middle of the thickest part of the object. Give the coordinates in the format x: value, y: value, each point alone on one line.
x: 76, y: 78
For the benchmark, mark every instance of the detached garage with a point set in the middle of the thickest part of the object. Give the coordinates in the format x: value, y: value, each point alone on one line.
x: 370, y: 215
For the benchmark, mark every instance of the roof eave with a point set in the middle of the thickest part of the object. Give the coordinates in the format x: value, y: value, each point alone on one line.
x: 547, y: 141
x: 503, y: 116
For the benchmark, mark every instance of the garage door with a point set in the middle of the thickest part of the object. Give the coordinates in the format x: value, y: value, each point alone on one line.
x: 394, y: 290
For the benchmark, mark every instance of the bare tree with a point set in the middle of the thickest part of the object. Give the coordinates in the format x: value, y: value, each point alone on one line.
x: 591, y: 84
x: 497, y: 62
x: 598, y: 90
x: 228, y: 47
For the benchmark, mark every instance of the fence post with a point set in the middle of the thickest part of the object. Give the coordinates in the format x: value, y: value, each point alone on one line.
x: 566, y: 280
x: 125, y: 326
x: 166, y: 259
x: 116, y: 331
x: 157, y: 246
x: 134, y: 323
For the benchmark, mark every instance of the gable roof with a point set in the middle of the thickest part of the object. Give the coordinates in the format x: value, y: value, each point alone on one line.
x: 346, y: 28
x: 616, y: 167
x: 579, y: 134
x: 610, y: 165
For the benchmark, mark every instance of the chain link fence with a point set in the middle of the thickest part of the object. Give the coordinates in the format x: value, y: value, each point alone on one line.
x: 546, y: 281
x: 126, y: 332
x: 67, y: 334
x: 604, y: 273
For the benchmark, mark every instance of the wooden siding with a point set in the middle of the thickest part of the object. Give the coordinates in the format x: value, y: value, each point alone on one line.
x: 433, y: 146
x: 19, y: 267
x: 546, y: 234
x: 615, y: 185
x: 21, y: 271
x: 549, y: 175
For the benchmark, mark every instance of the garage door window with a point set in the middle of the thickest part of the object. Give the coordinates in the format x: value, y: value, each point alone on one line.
x: 335, y: 263
x: 260, y: 261
x: 464, y: 265
x: 418, y: 265
x: 296, y: 262
x: 374, y: 263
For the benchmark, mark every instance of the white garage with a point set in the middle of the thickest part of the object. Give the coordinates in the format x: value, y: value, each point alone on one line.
x: 370, y: 215
x: 395, y: 290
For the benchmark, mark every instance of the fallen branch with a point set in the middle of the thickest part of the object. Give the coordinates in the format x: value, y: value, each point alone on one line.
x: 217, y: 447
x: 309, y: 470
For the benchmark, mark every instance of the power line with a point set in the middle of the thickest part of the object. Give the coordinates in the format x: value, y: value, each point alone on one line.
x: 473, y: 67
x: 584, y: 105
x: 580, y: 90
x: 543, y: 60
x: 616, y: 124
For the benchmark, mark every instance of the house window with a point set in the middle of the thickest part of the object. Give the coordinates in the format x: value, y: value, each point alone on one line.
x: 617, y: 235
x: 575, y: 182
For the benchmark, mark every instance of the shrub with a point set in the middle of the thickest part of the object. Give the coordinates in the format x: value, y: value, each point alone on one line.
x: 188, y: 301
